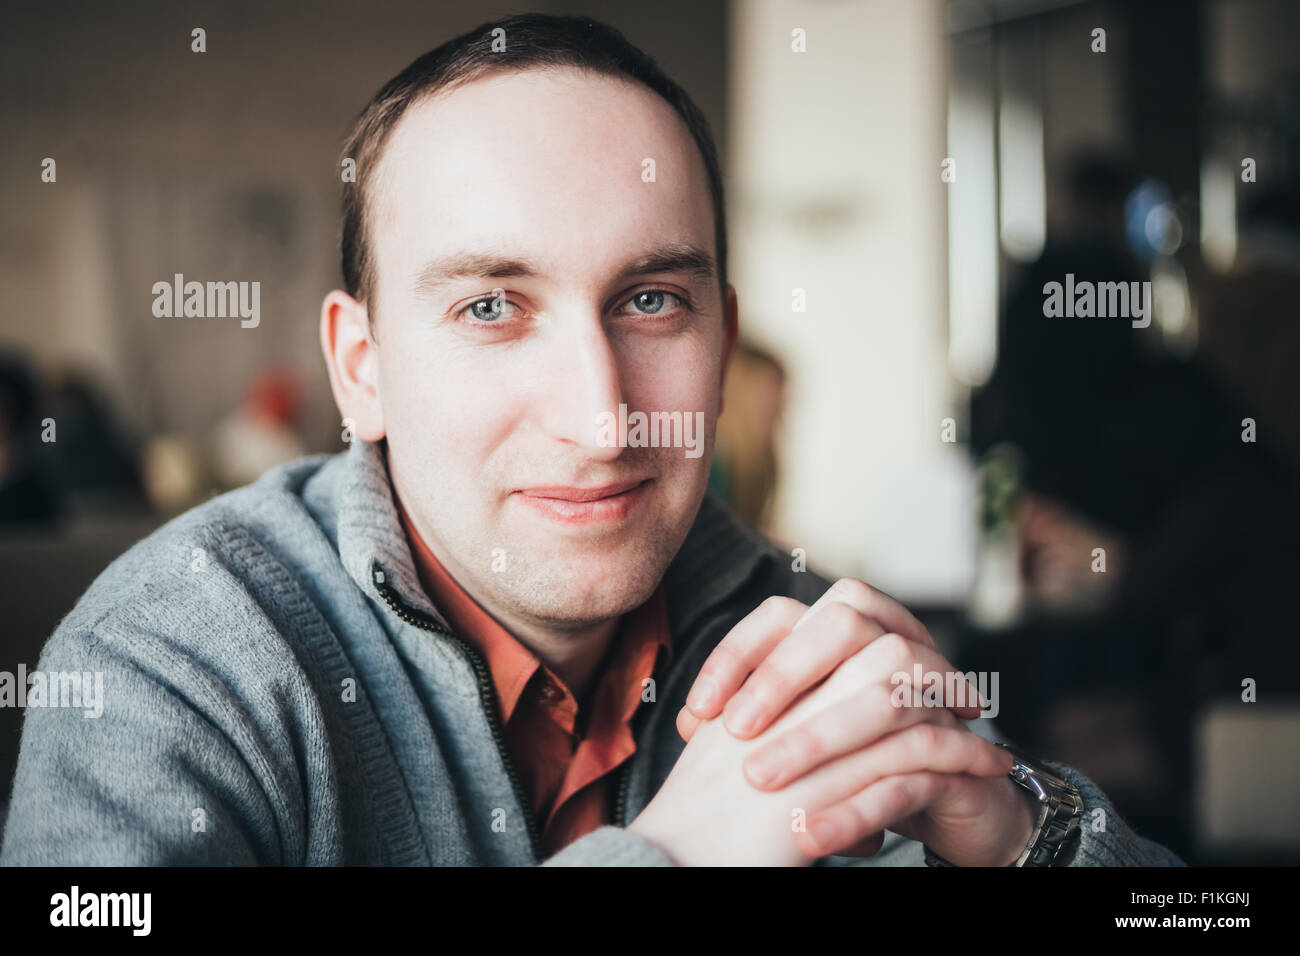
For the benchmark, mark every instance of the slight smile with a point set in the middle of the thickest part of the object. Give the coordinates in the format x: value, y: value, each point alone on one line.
x: 606, y: 503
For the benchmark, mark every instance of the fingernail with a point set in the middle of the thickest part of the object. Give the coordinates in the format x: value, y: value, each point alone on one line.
x: 765, y: 766
x: 703, y: 694
x: 743, y: 716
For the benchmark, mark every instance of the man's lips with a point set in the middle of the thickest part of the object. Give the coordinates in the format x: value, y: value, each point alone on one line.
x: 569, y: 493
x: 573, y: 505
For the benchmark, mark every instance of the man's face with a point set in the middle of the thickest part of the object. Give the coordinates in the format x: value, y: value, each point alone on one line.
x: 492, y: 401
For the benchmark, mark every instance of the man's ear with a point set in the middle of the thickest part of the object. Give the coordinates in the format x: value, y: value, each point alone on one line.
x: 352, y: 359
x: 730, y: 334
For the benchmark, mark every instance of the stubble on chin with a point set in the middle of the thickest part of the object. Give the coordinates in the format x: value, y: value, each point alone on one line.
x: 582, y: 591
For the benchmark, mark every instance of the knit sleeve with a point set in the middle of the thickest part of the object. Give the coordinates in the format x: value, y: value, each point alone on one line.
x: 135, y: 769
x: 609, y: 846
x: 1105, y: 839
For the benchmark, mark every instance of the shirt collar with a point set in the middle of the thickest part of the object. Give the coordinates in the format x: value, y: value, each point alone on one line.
x: 717, y: 558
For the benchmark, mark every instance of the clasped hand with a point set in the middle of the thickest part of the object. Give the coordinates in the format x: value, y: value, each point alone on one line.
x: 803, y: 742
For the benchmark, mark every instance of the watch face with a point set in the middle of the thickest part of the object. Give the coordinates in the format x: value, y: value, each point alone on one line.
x: 1044, y: 775
x: 1048, y: 777
x: 1052, y: 790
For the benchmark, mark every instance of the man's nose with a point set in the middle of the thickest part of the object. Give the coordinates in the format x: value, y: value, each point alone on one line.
x: 586, y: 390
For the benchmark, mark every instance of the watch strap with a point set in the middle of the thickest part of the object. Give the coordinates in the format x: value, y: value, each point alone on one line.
x: 1060, y: 809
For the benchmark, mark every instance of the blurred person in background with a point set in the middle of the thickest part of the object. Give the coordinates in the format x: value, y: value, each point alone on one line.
x: 95, y: 466
x: 28, y: 497
x: 262, y: 432
x: 1249, y: 335
x: 745, y: 463
x: 1140, y: 454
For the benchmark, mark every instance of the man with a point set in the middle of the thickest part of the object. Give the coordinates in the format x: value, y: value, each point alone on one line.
x: 470, y: 637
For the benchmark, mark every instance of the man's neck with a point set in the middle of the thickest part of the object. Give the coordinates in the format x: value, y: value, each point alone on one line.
x: 574, y: 657
x: 574, y: 654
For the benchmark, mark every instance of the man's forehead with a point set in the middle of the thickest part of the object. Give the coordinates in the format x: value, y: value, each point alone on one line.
x: 548, y: 104
x: 539, y: 163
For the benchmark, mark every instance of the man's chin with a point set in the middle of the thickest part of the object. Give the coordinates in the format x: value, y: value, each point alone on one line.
x: 574, y: 576
x: 578, y: 589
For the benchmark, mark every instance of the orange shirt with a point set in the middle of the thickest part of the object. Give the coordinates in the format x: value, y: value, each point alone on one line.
x: 565, y: 759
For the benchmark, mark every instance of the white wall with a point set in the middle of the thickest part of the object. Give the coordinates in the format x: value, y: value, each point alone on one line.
x: 834, y: 169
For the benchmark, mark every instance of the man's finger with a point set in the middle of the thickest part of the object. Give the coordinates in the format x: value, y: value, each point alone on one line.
x: 827, y: 643
x: 687, y: 724
x: 744, y: 647
x: 874, y: 808
x: 877, y: 605
x: 866, y: 734
x: 893, y: 659
x: 814, y: 649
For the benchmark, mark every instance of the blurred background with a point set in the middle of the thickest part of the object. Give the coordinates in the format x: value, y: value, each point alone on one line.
x: 1104, y: 515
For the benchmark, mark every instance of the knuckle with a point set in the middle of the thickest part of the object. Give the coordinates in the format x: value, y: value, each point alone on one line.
x: 723, y: 661
x: 841, y: 621
x: 857, y: 669
x: 919, y: 787
x: 904, y: 789
x: 777, y: 607
x: 879, y: 708
x: 925, y: 738
x: 840, y: 616
x: 858, y: 815
x: 853, y: 589
x: 896, y: 650
x: 803, y: 747
x: 926, y: 785
x: 767, y: 684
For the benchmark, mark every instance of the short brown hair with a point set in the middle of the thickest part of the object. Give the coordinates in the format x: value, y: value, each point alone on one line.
x: 533, y: 40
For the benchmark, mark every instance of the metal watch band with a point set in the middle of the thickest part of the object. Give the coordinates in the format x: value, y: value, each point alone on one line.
x: 1060, y: 809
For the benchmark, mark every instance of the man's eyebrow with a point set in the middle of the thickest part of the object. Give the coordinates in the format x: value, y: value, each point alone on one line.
x: 679, y: 257
x: 470, y: 265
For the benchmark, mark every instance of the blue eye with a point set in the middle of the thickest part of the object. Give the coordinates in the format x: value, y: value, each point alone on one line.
x: 487, y: 311
x: 652, y: 301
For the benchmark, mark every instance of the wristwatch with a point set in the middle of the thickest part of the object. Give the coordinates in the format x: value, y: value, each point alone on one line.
x: 1060, y: 809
